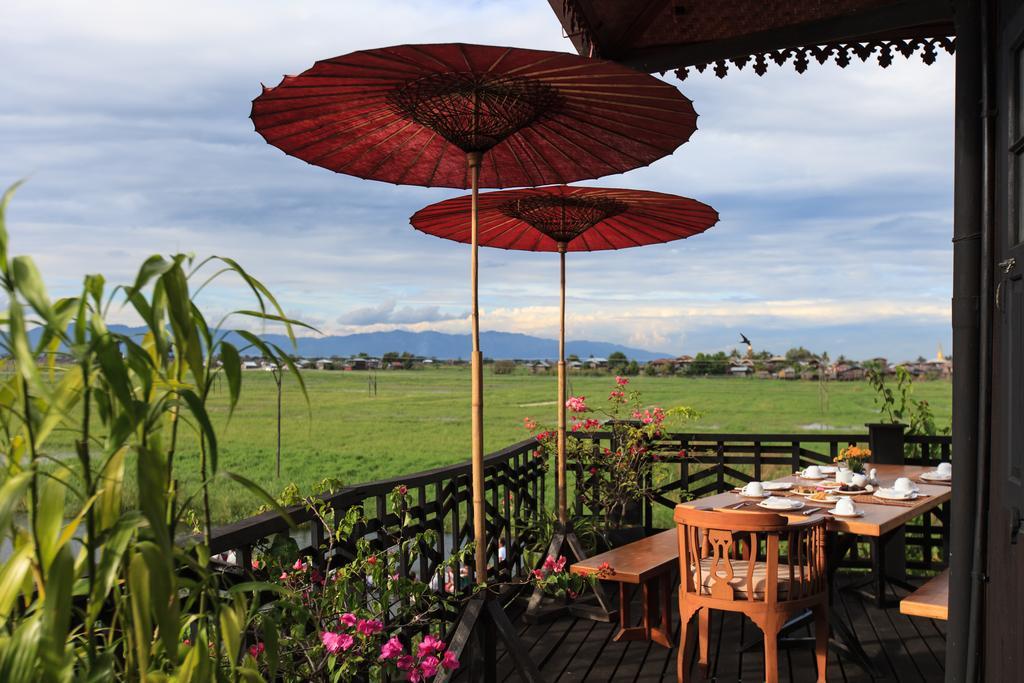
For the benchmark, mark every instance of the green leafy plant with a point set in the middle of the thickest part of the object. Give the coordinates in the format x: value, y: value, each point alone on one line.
x: 898, y: 406
x: 360, y: 620
x: 96, y: 587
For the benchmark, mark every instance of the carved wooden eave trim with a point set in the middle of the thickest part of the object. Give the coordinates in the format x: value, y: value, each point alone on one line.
x: 841, y: 53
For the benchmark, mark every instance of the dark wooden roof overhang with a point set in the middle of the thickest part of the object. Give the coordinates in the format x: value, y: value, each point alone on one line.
x: 664, y: 35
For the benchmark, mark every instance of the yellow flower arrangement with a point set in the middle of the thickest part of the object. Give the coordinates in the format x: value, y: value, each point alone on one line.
x: 854, y: 457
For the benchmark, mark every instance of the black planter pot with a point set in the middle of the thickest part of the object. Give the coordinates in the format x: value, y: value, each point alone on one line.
x: 624, y: 535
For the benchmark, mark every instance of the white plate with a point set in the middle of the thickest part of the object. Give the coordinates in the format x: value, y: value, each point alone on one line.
x: 892, y: 494
x: 791, y: 505
x: 828, y: 499
x: 751, y: 495
x: 804, y: 476
x: 837, y: 492
x: 777, y: 485
x: 935, y: 476
x: 836, y: 513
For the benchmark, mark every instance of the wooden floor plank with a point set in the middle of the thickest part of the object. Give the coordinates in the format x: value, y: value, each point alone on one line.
x: 906, y: 649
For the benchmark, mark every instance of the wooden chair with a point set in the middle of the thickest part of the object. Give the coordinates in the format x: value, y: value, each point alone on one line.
x: 736, y: 561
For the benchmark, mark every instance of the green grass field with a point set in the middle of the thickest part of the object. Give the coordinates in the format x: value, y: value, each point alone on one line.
x: 420, y: 419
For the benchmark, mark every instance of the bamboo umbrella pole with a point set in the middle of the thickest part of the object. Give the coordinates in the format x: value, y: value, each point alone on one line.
x: 560, y: 472
x: 476, y: 365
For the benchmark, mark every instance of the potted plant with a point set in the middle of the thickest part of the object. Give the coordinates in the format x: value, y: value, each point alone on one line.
x: 613, y: 480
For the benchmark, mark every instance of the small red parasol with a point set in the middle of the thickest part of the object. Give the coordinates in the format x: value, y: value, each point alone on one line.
x: 563, y: 218
x: 457, y: 115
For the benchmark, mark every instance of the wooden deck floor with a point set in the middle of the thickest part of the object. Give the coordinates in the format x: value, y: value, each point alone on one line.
x: 904, y: 649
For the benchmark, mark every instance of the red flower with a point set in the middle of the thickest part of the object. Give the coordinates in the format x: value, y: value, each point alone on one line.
x: 593, y: 470
x: 621, y: 381
x: 577, y: 404
x: 257, y: 649
x: 403, y: 489
x: 372, y: 560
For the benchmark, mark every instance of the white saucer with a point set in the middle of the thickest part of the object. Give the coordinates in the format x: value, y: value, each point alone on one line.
x: 777, y: 485
x: 836, y: 513
x: 890, y: 494
x: 935, y: 476
x: 819, y: 478
x: 751, y: 495
x: 793, y: 505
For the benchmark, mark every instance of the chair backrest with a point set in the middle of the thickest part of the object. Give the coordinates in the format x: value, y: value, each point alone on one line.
x: 753, y: 541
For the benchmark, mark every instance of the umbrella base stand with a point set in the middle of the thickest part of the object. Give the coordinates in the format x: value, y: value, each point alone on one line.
x: 565, y: 542
x: 483, y: 623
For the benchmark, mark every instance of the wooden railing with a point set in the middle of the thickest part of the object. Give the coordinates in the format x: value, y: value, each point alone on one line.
x: 696, y: 465
x: 441, y: 501
x: 519, y: 489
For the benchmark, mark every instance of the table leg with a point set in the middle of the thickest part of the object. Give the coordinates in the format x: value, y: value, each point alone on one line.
x: 655, y: 605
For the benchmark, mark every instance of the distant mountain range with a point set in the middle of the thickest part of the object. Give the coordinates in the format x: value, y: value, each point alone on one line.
x: 497, y: 345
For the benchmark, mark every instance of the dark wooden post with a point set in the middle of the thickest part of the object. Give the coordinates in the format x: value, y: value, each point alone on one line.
x: 886, y: 441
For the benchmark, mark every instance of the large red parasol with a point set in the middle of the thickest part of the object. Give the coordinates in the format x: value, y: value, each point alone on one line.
x: 409, y: 114
x: 456, y: 115
x: 563, y: 218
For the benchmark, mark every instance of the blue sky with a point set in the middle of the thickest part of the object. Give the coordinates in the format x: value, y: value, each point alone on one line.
x: 131, y: 122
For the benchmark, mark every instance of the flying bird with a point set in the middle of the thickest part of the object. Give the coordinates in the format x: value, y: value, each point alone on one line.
x: 744, y: 340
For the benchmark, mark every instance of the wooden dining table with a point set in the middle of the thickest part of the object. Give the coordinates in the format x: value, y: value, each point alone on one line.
x: 880, y: 522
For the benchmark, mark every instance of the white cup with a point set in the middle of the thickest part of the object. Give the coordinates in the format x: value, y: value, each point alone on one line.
x: 845, y: 506
x: 859, y: 480
x: 945, y: 469
x: 754, y: 488
x: 873, y: 475
x: 904, y: 485
x: 844, y: 476
x: 812, y: 471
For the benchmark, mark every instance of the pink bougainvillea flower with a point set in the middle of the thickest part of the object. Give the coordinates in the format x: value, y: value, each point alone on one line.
x: 391, y: 649
x: 549, y: 563
x: 284, y: 576
x: 560, y: 564
x: 577, y: 404
x: 414, y: 676
x: 299, y: 565
x: 616, y: 395
x: 538, y: 574
x: 335, y: 642
x: 405, y: 662
x: 429, y: 645
x: 576, y: 426
x: 428, y: 666
x: 450, y: 661
x: 368, y: 627
x: 591, y: 423
x: 348, y: 619
x: 257, y: 649
x: 621, y: 381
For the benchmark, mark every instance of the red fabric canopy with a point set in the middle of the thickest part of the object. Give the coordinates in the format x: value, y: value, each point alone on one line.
x: 408, y: 115
x: 586, y: 218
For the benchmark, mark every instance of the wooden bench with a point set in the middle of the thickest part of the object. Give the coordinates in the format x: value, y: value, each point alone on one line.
x: 650, y: 563
x: 930, y: 600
